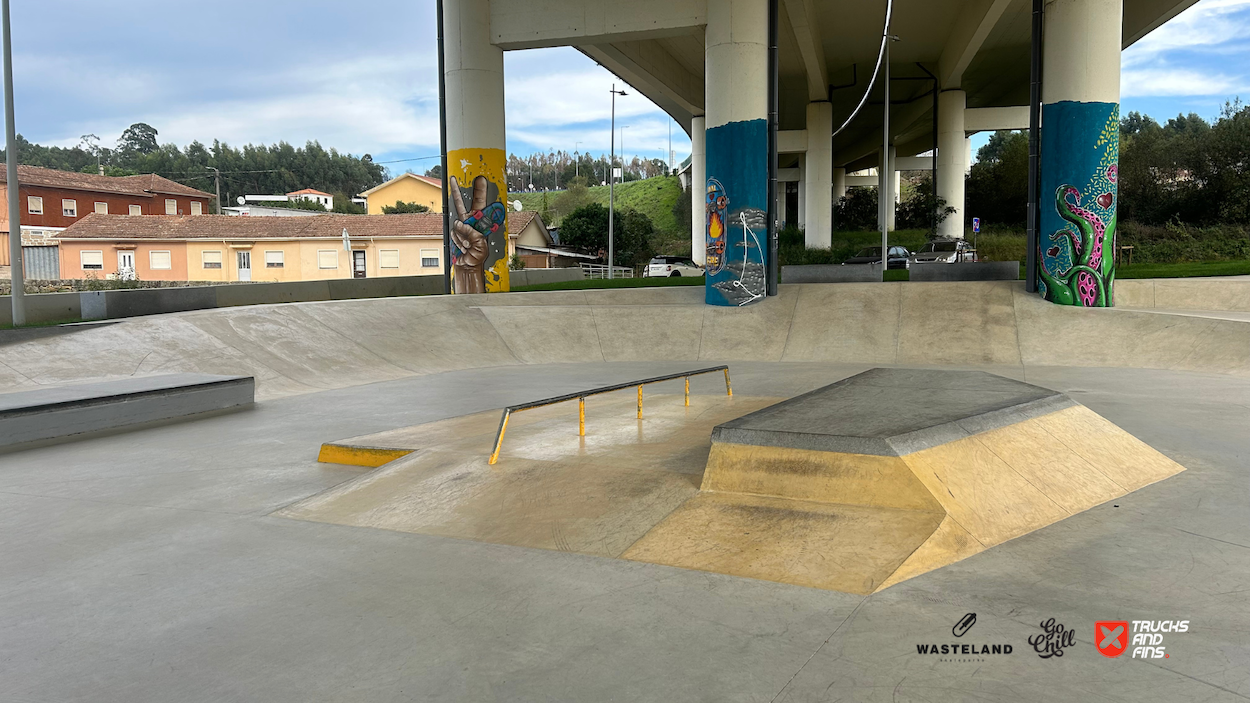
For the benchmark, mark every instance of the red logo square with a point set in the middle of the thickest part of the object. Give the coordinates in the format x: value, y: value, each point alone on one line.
x: 1111, y: 637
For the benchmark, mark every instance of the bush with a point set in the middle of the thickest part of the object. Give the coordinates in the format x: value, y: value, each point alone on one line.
x: 587, y: 228
x: 856, y: 211
x: 402, y: 208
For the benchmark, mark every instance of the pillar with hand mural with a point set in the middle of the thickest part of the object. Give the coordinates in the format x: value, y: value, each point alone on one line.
x: 477, y: 188
x: 736, y: 142
x: 1079, y: 152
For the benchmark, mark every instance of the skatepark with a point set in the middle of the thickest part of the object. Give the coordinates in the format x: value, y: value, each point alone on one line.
x: 214, y: 557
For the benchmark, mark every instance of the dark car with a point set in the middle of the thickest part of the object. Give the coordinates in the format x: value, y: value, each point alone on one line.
x: 872, y: 255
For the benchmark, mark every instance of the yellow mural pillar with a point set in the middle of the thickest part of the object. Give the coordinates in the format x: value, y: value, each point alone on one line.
x: 477, y: 187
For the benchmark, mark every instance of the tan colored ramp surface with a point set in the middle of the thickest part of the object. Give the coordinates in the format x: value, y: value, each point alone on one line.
x: 551, y: 488
x: 852, y: 487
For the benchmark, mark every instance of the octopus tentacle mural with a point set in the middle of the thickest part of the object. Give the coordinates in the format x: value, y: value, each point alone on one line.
x: 1080, y: 165
x: 1088, y: 280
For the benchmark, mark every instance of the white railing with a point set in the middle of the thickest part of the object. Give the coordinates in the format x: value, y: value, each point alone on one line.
x: 601, y: 271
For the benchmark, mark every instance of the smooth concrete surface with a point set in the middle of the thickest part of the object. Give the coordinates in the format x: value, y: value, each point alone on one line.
x: 145, y: 567
x: 533, y: 277
x: 969, y: 271
x: 305, y: 347
x: 551, y: 488
x: 830, y: 273
x: 135, y: 302
x: 66, y: 411
x: 893, y: 412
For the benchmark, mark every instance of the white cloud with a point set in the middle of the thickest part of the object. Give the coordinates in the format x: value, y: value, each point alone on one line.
x: 1156, y: 82
x: 1205, y: 26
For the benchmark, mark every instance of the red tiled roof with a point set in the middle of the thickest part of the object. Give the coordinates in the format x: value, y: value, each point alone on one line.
x: 131, y: 227
x: 308, y: 191
x: 145, y: 185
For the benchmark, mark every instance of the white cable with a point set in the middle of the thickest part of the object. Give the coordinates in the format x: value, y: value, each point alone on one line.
x: 885, y: 37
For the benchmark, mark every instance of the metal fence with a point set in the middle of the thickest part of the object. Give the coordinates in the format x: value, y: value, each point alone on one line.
x: 42, y: 263
x: 601, y: 271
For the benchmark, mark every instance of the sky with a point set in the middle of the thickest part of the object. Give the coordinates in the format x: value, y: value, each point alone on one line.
x: 365, y: 80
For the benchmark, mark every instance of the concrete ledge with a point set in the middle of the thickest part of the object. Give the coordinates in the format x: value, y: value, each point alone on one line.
x: 534, y: 277
x: 971, y: 271
x: 831, y: 273
x: 66, y: 411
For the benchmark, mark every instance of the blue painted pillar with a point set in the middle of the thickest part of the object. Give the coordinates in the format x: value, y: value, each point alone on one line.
x: 736, y: 107
x: 1080, y: 152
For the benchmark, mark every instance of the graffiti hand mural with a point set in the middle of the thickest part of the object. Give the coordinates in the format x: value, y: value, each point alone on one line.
x: 470, y: 233
x: 1088, y: 280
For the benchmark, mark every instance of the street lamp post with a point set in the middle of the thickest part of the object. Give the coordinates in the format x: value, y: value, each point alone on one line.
x: 612, y: 176
x: 17, y: 292
x: 577, y: 163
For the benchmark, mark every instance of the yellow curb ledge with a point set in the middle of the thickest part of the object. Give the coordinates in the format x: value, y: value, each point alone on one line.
x: 371, y: 457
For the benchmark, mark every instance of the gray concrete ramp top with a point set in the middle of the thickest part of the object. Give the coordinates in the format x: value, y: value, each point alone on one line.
x: 893, y: 412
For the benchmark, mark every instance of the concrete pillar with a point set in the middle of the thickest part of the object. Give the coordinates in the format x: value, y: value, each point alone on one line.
x: 1080, y: 151
x: 818, y: 232
x: 698, y: 191
x: 839, y: 184
x: 736, y: 102
x: 475, y: 148
x: 951, y: 159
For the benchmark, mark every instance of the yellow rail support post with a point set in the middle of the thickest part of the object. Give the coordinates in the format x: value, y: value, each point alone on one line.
x: 581, y: 396
x: 503, y: 427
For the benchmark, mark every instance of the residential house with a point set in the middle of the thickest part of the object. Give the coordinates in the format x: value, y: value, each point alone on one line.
x: 325, y: 199
x: 224, y: 248
x: 51, y: 200
x: 537, y: 248
x: 408, y: 187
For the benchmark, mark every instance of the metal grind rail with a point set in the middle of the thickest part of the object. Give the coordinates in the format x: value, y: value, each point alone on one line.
x: 581, y: 397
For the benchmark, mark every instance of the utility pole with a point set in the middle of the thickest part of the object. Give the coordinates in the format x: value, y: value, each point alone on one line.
x: 217, y: 181
x: 611, y: 174
x: 18, y: 293
x: 577, y: 165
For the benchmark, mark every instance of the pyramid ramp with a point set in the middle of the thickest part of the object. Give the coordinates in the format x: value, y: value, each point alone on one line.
x: 892, y: 473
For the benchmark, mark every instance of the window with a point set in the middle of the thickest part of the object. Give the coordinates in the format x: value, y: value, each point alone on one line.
x: 388, y: 258
x: 327, y: 258
x: 197, y: 208
x: 211, y: 259
x: 102, y: 208
x: 69, y: 208
x: 274, y: 260
x: 171, y: 206
x: 34, y: 204
x: 92, y: 260
x: 136, y: 209
x: 159, y: 260
x: 429, y: 258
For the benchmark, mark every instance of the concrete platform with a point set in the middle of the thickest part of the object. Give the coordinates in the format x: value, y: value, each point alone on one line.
x: 891, y: 473
x: 146, y: 567
x: 67, y: 411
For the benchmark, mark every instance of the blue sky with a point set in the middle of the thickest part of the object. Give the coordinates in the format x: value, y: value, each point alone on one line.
x: 268, y: 70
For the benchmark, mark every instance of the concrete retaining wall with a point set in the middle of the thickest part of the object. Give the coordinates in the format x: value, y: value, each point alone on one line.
x: 534, y: 277
x: 970, y: 271
x: 114, y: 304
x: 307, y: 347
x: 831, y: 273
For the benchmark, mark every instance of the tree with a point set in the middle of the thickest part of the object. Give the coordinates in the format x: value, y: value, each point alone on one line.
x: 575, y: 196
x: 138, y: 138
x: 924, y: 209
x: 998, y: 185
x: 857, y: 210
x: 402, y: 208
x: 344, y: 206
x: 587, y: 228
x: 435, y: 171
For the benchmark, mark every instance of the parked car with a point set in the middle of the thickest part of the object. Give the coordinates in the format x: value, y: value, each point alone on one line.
x: 872, y: 255
x: 945, y: 251
x: 666, y: 266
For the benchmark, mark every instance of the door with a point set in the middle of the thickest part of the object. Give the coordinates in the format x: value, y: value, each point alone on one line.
x: 358, y: 264
x: 126, y: 264
x: 245, y: 265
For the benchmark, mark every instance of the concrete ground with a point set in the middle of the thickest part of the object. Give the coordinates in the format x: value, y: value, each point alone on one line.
x: 145, y: 567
